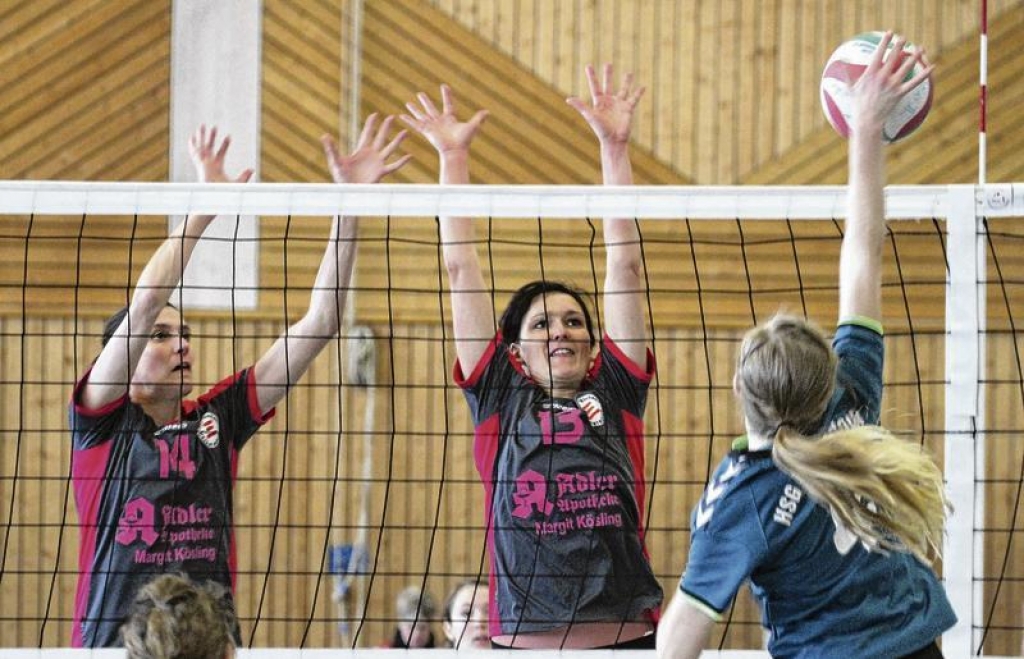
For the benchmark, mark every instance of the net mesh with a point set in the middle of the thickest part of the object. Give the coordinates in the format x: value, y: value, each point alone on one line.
x: 364, y: 483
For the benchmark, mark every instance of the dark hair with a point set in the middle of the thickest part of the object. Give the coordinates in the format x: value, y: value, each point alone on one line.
x: 477, y: 584
x: 111, y: 324
x: 512, y: 318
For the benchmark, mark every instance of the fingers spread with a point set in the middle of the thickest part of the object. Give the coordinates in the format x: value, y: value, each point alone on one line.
x: 387, y: 150
x: 478, y: 118
x: 330, y: 148
x: 415, y: 111
x: 447, y: 100
x: 224, y: 145
x: 428, y: 105
x: 592, y: 83
x: 635, y: 97
x: 627, y: 86
x: 390, y: 167
x: 415, y: 124
x: 367, y: 132
x: 897, y: 56
x: 921, y: 76
x: 879, y: 54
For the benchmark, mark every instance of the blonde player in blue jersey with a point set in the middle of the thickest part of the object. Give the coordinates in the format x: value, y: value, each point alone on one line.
x: 558, y: 412
x: 832, y: 520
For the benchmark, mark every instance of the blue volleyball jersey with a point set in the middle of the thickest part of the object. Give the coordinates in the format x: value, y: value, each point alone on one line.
x: 153, y: 500
x: 822, y: 593
x: 564, y: 482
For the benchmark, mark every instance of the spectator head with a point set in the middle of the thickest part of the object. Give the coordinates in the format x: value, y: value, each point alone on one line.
x: 173, y: 617
x: 414, y: 611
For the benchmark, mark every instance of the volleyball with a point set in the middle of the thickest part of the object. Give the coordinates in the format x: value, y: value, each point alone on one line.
x: 845, y: 66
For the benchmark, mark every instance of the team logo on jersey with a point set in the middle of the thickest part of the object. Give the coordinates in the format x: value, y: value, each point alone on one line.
x: 715, y: 490
x: 591, y: 406
x: 851, y: 419
x: 209, y: 430
x: 787, y: 505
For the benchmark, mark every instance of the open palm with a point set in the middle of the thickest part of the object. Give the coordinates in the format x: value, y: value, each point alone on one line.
x: 368, y: 163
x: 208, y: 157
x: 610, y: 112
x: 441, y: 128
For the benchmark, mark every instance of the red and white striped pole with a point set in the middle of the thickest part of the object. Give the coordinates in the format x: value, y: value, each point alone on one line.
x: 983, y: 93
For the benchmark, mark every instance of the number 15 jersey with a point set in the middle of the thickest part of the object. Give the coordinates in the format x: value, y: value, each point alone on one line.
x: 564, y: 479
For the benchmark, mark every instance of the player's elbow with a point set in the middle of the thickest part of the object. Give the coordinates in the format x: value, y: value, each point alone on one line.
x: 320, y: 322
x: 461, y: 269
x: 625, y: 273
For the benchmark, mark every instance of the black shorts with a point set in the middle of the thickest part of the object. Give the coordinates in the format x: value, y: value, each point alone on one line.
x: 930, y: 651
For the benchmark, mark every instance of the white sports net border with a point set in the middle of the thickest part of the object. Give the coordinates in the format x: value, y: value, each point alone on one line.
x: 970, y: 283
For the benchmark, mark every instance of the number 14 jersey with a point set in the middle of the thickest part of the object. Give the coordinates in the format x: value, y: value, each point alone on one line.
x: 153, y: 500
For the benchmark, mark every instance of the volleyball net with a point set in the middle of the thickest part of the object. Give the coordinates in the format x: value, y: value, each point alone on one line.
x: 364, y: 483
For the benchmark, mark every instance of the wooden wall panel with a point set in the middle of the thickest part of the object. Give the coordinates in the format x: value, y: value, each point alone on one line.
x: 730, y: 123
x: 84, y: 90
x: 305, y: 86
x: 944, y: 149
x: 531, y: 136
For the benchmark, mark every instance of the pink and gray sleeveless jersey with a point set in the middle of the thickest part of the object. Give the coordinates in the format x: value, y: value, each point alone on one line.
x: 154, y: 500
x: 564, y: 482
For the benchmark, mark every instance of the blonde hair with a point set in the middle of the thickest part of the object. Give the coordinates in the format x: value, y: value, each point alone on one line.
x: 412, y: 604
x: 174, y: 618
x: 885, y: 490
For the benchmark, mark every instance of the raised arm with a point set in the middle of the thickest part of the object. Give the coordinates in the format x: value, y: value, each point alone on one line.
x: 112, y: 371
x: 290, y: 356
x: 472, y: 309
x: 610, y: 115
x: 875, y: 94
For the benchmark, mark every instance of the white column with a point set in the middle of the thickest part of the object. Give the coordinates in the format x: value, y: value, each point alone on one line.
x: 215, y: 80
x: 964, y: 445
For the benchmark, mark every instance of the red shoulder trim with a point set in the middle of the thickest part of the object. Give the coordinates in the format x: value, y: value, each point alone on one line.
x: 478, y: 369
x: 76, y: 399
x: 643, y: 373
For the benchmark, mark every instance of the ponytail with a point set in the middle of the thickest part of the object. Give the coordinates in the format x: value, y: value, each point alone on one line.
x: 885, y: 490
